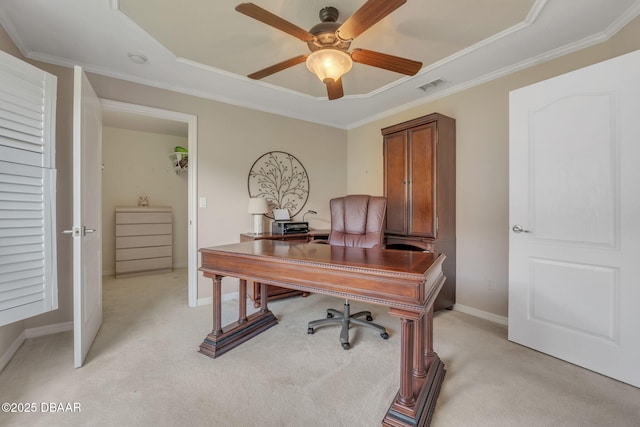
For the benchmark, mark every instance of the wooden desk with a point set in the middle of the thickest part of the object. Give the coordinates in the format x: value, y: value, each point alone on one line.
x: 277, y: 292
x: 405, y: 281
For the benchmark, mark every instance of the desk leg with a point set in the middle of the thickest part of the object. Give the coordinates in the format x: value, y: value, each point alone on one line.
x: 429, y: 335
x: 217, y: 306
x: 256, y: 295
x: 242, y: 303
x: 263, y: 298
x: 405, y: 395
x: 420, y: 376
x: 222, y: 339
x: 419, y: 362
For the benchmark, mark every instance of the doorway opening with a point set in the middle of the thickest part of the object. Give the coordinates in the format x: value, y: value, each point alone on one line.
x: 159, y: 121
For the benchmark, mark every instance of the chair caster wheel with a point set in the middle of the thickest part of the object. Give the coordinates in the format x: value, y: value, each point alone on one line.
x: 346, y: 346
x: 329, y: 316
x: 384, y: 336
x: 310, y: 331
x: 369, y: 318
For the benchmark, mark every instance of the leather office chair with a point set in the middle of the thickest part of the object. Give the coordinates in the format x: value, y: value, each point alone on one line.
x: 356, y: 220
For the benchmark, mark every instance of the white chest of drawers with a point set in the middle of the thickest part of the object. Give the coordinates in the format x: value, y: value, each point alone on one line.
x: 144, y: 241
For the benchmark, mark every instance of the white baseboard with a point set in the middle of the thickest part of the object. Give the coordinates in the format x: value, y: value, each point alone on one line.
x: 501, y: 320
x: 48, y: 329
x: 13, y: 348
x: 32, y: 333
x: 225, y: 297
x: 204, y: 301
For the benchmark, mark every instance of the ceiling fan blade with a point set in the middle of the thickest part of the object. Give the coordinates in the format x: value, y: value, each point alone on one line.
x: 266, y: 17
x: 370, y: 13
x: 277, y: 67
x: 334, y: 89
x: 388, y: 62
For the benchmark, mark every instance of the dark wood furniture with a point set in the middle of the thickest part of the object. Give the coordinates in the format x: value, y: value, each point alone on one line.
x: 277, y: 292
x: 405, y: 281
x: 420, y: 186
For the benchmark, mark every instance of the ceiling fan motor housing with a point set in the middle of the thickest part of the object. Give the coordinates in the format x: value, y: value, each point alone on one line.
x: 325, y: 32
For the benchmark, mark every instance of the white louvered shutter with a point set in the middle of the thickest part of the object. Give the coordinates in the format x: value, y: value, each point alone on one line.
x: 28, y: 273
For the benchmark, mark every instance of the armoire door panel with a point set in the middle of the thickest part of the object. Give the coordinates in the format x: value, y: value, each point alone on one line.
x: 422, y: 185
x: 395, y: 156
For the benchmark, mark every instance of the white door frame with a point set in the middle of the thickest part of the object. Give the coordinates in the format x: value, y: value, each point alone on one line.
x: 192, y: 178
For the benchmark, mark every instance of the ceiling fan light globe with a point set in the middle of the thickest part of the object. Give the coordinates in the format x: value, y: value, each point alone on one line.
x: 329, y: 64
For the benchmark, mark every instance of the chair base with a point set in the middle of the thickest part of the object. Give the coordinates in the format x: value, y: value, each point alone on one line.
x: 346, y: 319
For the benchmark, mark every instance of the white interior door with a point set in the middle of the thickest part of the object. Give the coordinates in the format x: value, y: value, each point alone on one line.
x: 87, y: 216
x: 574, y: 267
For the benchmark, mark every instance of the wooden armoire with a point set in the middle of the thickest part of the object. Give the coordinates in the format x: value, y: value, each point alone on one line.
x: 420, y: 186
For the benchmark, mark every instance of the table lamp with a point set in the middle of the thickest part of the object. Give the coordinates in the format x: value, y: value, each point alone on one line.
x: 257, y: 207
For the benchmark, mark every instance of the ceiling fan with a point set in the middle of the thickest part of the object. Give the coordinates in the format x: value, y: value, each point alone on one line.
x: 329, y: 42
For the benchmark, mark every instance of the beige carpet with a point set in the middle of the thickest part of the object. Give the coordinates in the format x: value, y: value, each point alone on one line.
x: 144, y: 370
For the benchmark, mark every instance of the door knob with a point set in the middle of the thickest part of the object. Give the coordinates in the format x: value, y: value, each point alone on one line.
x: 78, y: 231
x: 518, y: 229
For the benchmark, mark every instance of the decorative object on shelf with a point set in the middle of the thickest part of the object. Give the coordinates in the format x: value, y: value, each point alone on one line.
x: 180, y: 159
x: 143, y: 201
x: 257, y: 207
x: 281, y: 179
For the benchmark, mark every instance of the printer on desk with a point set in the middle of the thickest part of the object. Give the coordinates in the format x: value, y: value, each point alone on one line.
x: 283, y: 224
x: 289, y: 227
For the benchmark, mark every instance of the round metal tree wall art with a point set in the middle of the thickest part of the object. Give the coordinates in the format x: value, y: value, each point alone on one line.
x: 280, y: 178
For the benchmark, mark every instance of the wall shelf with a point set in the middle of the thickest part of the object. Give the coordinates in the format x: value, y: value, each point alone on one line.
x: 180, y: 161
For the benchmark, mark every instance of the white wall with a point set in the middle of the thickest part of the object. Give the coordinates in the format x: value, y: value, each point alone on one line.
x: 482, y: 168
x: 230, y: 138
x: 137, y: 164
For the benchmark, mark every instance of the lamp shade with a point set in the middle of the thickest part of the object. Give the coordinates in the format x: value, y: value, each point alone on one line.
x: 329, y: 64
x: 258, y: 205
